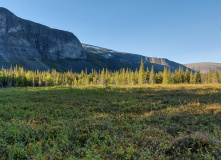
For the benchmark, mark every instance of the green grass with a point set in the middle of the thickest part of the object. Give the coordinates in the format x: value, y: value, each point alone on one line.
x: 140, y: 122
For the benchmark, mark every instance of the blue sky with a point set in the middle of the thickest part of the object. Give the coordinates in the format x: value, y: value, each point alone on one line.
x: 184, y: 31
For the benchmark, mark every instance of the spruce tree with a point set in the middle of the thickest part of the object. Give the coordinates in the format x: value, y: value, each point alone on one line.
x: 123, y: 77
x: 49, y: 80
x: 209, y: 76
x: 128, y: 74
x: 192, y: 80
x: 187, y: 76
x: 1, y: 78
x: 152, y: 76
x: 216, y: 76
x: 29, y: 78
x: 165, y: 76
x: 33, y: 80
x: 176, y: 77
x: 141, y: 73
x: 147, y: 75
x: 219, y: 76
x: 102, y: 77
x: 117, y: 78
x: 159, y: 78
x: 132, y: 81
x: 197, y: 77
x: 181, y: 74
x: 204, y: 78
x: 136, y: 77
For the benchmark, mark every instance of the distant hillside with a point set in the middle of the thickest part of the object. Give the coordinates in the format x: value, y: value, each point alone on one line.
x: 203, y: 67
x: 113, y: 60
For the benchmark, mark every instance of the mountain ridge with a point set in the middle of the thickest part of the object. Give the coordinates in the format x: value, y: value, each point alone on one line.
x: 127, y: 60
x: 203, y: 67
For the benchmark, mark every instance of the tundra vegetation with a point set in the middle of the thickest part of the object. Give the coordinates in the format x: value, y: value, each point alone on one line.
x: 124, y: 122
x: 158, y: 121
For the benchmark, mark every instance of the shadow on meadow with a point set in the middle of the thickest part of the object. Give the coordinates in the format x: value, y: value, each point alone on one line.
x: 122, y: 123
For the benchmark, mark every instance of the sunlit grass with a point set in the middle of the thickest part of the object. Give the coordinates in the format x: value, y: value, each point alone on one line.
x: 114, y: 122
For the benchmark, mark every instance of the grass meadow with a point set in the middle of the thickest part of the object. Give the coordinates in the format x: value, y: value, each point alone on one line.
x: 125, y: 122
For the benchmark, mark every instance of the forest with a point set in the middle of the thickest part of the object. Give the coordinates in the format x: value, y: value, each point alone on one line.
x: 18, y: 76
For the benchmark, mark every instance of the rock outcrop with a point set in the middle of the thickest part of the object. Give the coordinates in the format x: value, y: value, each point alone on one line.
x: 31, y: 44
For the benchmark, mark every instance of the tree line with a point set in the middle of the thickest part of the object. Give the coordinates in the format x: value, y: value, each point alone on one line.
x: 19, y: 77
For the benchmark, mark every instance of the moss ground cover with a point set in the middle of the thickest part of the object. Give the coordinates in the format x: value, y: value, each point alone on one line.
x: 125, y: 122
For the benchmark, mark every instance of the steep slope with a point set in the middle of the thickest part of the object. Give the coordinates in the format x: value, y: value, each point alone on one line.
x: 102, y: 57
x: 203, y: 67
x: 33, y: 45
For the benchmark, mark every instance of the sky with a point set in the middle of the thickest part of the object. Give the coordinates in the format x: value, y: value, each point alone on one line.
x: 184, y: 31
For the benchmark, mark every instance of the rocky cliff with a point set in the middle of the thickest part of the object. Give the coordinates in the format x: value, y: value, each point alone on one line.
x: 33, y: 45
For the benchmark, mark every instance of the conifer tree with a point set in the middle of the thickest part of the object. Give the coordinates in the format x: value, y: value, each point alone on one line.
x: 123, y: 77
x: 141, y: 73
x: 128, y: 74
x: 192, y: 80
x: 95, y: 79
x: 187, y: 76
x: 159, y: 78
x: 209, y: 76
x: 197, y: 77
x: 102, y: 76
x: 136, y: 77
x: 106, y: 78
x: 117, y: 79
x: 152, y: 76
x: 112, y: 80
x: 49, y: 80
x: 219, y: 76
x: 1, y: 78
x: 132, y: 81
x: 176, y: 77
x: 147, y: 75
x: 216, y: 76
x: 75, y: 81
x: 170, y: 77
x: 33, y: 80
x: 165, y: 76
x: 181, y: 74
x: 29, y: 79
x: 40, y: 80
x: 22, y: 77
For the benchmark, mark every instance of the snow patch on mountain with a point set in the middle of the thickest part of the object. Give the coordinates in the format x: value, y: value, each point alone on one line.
x: 107, y: 55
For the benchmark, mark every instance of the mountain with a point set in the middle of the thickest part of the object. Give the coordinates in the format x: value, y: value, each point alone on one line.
x: 102, y: 57
x: 203, y: 67
x: 35, y: 46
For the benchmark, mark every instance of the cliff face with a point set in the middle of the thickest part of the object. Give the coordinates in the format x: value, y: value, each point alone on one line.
x: 31, y: 44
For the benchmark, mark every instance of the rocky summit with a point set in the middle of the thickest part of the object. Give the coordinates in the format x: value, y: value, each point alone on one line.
x: 33, y: 45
